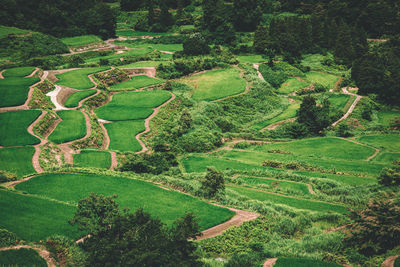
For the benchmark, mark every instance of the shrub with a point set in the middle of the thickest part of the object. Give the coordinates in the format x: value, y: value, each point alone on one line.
x: 390, y: 176
x: 343, y: 130
x: 195, y: 45
x: 7, y: 238
x: 7, y: 176
x: 213, y: 183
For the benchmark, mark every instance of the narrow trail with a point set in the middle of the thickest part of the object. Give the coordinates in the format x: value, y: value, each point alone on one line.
x: 106, y: 137
x: 276, y: 124
x: 36, y: 155
x: 358, y: 143
x: 229, y: 145
x: 389, y: 262
x: 246, y: 90
x: 256, y: 66
x: 270, y: 262
x: 358, y: 97
x: 237, y: 220
x: 14, y: 183
x: 1, y: 74
x: 147, y: 123
x: 114, y: 162
x: 33, y: 73
x: 25, y: 106
x: 45, y: 254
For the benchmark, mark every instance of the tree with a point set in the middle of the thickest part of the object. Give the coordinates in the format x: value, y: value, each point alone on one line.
x: 195, y: 45
x: 246, y: 15
x: 130, y: 5
x: 186, y: 120
x: 261, y: 39
x: 389, y: 176
x: 213, y: 183
x: 314, y: 117
x: 134, y: 239
x: 344, y: 52
x: 165, y: 19
x: 150, y: 15
x: 375, y: 229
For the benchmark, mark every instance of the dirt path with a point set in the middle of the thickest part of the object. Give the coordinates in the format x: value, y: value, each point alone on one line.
x: 33, y: 73
x: 148, y: 71
x: 256, y: 66
x: 114, y: 162
x: 270, y: 262
x: 1, y: 74
x: 389, y: 262
x: 276, y: 124
x: 106, y: 139
x: 229, y: 145
x: 147, y: 123
x: 358, y: 143
x: 36, y: 155
x: 40, y: 249
x: 358, y: 97
x: 237, y: 220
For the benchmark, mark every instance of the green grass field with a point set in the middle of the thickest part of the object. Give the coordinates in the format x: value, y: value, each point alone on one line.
x: 82, y: 40
x: 159, y: 47
x: 251, y: 59
x: 139, y: 33
x: 74, y: 99
x: 288, y: 113
x: 292, y: 85
x: 129, y: 53
x: 14, y: 125
x: 289, y: 201
x: 328, y: 147
x: 92, y: 159
x: 131, y: 194
x: 136, y: 82
x: 387, y: 157
x: 327, y: 80
x: 279, y: 185
x: 78, y: 79
x: 389, y: 142
x: 316, y: 63
x: 387, y: 116
x: 298, y: 262
x: 17, y: 160
x: 14, y: 90
x: 72, y: 127
x: 18, y: 72
x: 339, y: 101
x: 215, y: 84
x: 122, y: 135
x: 35, y: 219
x: 21, y: 257
x: 141, y: 64
x: 132, y: 105
x: 4, y: 31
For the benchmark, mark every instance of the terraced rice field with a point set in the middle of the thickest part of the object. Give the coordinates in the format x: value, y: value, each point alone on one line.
x: 292, y: 85
x: 21, y: 257
x: 18, y: 72
x: 14, y: 125
x: 131, y: 194
x: 92, y: 159
x: 14, y: 90
x: 122, y: 135
x: 387, y: 157
x: 386, y: 117
x: 82, y: 40
x: 74, y: 99
x: 340, y: 101
x: 216, y: 84
x: 251, y: 59
x: 288, y: 113
x: 159, y: 47
x: 389, y: 142
x: 78, y: 79
x: 325, y: 79
x: 118, y: 56
x: 132, y: 105
x: 136, y: 82
x: 17, y: 160
x: 72, y: 127
x: 142, y: 64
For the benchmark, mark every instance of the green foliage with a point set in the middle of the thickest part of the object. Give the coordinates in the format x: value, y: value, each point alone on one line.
x: 154, y: 163
x: 21, y: 257
x: 136, y: 82
x: 7, y: 238
x: 14, y: 90
x: 213, y: 184
x: 72, y: 127
x: 5, y: 31
x: 343, y: 130
x: 65, y: 250
x: 195, y: 45
x: 112, y: 77
x: 272, y: 76
x: 40, y: 101
x: 13, y: 127
x: 93, y: 159
x: 390, y: 176
x: 74, y: 99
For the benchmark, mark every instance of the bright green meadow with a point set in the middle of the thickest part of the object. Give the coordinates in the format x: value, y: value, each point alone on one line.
x: 21, y: 257
x: 78, y: 79
x: 82, y: 40
x: 72, y: 127
x: 74, y: 99
x: 18, y: 72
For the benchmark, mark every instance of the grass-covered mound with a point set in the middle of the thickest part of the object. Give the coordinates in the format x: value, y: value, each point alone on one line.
x: 72, y: 127
x: 78, y: 79
x: 17, y: 160
x: 18, y: 72
x: 136, y: 82
x: 132, y: 194
x: 92, y: 159
x: 122, y: 135
x: 21, y: 257
x: 14, y: 125
x: 132, y: 105
x: 32, y: 218
x: 216, y: 84
x: 83, y: 40
x: 74, y: 99
x: 14, y: 90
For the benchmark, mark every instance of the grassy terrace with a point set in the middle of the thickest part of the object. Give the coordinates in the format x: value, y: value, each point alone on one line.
x: 288, y: 113
x: 216, y: 84
x: 4, y: 31
x: 14, y: 90
x: 327, y: 80
x: 21, y: 257
x: 74, y: 99
x: 131, y: 194
x: 92, y: 159
x: 78, y: 79
x: 122, y: 135
x: 132, y: 105
x: 136, y: 82
x: 17, y: 160
x: 389, y: 142
x: 14, y: 125
x: 292, y: 85
x: 72, y: 127
x: 82, y: 40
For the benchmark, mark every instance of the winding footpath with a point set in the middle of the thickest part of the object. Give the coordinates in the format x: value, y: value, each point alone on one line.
x: 358, y: 97
x: 358, y: 143
x: 389, y: 262
x: 147, y: 124
x: 36, y: 155
x: 256, y: 66
x: 45, y: 254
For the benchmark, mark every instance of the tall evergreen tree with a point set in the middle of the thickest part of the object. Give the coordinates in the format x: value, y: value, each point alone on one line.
x: 261, y: 39
x: 165, y: 19
x: 344, y: 51
x: 150, y: 15
x: 247, y: 15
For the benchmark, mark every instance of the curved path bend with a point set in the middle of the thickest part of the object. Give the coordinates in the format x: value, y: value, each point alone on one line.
x: 147, y: 123
x: 45, y: 254
x: 270, y: 262
x: 240, y: 217
x: 1, y: 74
x: 256, y: 66
x: 358, y: 143
x: 358, y: 97
x: 389, y: 262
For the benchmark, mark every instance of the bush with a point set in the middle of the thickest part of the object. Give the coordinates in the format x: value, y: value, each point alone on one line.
x: 7, y: 238
x: 154, y: 163
x: 343, y: 130
x: 7, y: 176
x: 195, y: 45
x: 390, y: 176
